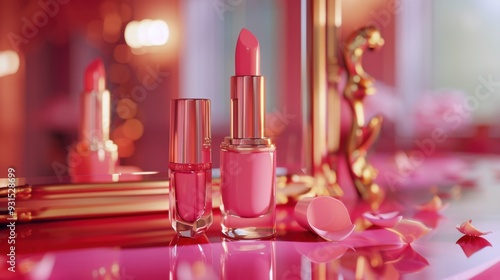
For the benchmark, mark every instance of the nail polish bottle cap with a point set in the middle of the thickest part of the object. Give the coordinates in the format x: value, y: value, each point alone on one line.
x: 190, y: 137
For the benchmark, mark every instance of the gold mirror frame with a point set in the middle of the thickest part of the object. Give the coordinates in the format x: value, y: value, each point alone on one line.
x: 322, y: 21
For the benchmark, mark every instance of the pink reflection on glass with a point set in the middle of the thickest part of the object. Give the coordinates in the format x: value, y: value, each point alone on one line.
x: 191, y: 258
x: 250, y: 259
x: 383, y: 219
x: 405, y: 260
x: 467, y: 229
x: 472, y: 244
x: 321, y: 252
x: 42, y: 269
x: 382, y: 262
x: 379, y: 237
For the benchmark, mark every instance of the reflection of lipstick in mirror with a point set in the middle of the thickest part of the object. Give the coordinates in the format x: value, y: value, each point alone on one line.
x: 472, y: 244
x: 95, y: 156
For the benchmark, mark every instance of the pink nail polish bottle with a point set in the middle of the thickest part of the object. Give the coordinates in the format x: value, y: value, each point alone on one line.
x: 248, y: 158
x: 190, y: 166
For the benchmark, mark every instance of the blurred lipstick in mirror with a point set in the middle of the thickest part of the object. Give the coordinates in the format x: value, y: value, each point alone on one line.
x: 94, y: 158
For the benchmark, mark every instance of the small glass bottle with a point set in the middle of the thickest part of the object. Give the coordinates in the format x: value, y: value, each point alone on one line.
x: 248, y: 187
x: 190, y: 166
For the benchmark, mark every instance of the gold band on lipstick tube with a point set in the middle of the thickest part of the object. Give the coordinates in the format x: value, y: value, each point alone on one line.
x: 247, y: 106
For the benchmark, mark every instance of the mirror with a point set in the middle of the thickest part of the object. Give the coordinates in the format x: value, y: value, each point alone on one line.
x: 437, y: 55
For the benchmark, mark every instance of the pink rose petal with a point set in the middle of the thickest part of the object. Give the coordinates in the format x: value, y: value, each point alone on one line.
x: 433, y: 205
x: 410, y: 230
x: 472, y: 244
x: 383, y: 219
x: 467, y: 229
x: 326, y: 216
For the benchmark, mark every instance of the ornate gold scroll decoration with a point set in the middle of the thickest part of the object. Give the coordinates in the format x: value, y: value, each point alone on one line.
x: 361, y: 137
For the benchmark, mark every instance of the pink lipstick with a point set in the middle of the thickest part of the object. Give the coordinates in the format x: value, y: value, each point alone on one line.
x: 248, y: 158
x: 95, y: 156
x: 190, y: 166
x: 247, y: 55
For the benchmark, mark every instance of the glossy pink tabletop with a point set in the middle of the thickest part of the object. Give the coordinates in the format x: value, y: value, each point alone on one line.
x: 145, y: 246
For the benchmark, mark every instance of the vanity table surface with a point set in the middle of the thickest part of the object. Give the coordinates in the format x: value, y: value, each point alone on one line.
x: 145, y: 246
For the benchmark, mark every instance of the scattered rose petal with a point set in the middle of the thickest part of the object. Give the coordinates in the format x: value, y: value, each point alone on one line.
x: 433, y: 205
x: 410, y: 230
x: 326, y: 216
x: 472, y: 244
x: 467, y: 229
x: 383, y: 219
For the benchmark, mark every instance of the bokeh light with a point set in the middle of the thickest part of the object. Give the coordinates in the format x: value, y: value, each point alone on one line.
x: 117, y: 133
x: 133, y: 129
x: 119, y: 73
x: 131, y: 34
x: 126, y: 147
x: 125, y: 12
x: 146, y: 32
x: 108, y: 7
x: 158, y: 33
x: 143, y: 31
x: 9, y: 62
x: 111, y: 28
x: 94, y: 31
x: 122, y: 53
x: 126, y: 108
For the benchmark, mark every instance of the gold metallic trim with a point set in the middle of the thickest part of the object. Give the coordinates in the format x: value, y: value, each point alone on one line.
x: 361, y: 136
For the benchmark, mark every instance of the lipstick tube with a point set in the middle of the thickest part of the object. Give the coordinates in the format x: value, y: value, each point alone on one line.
x: 95, y: 157
x: 248, y: 158
x: 190, y: 166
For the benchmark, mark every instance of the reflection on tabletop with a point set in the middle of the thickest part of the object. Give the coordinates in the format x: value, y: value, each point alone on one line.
x: 412, y: 236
